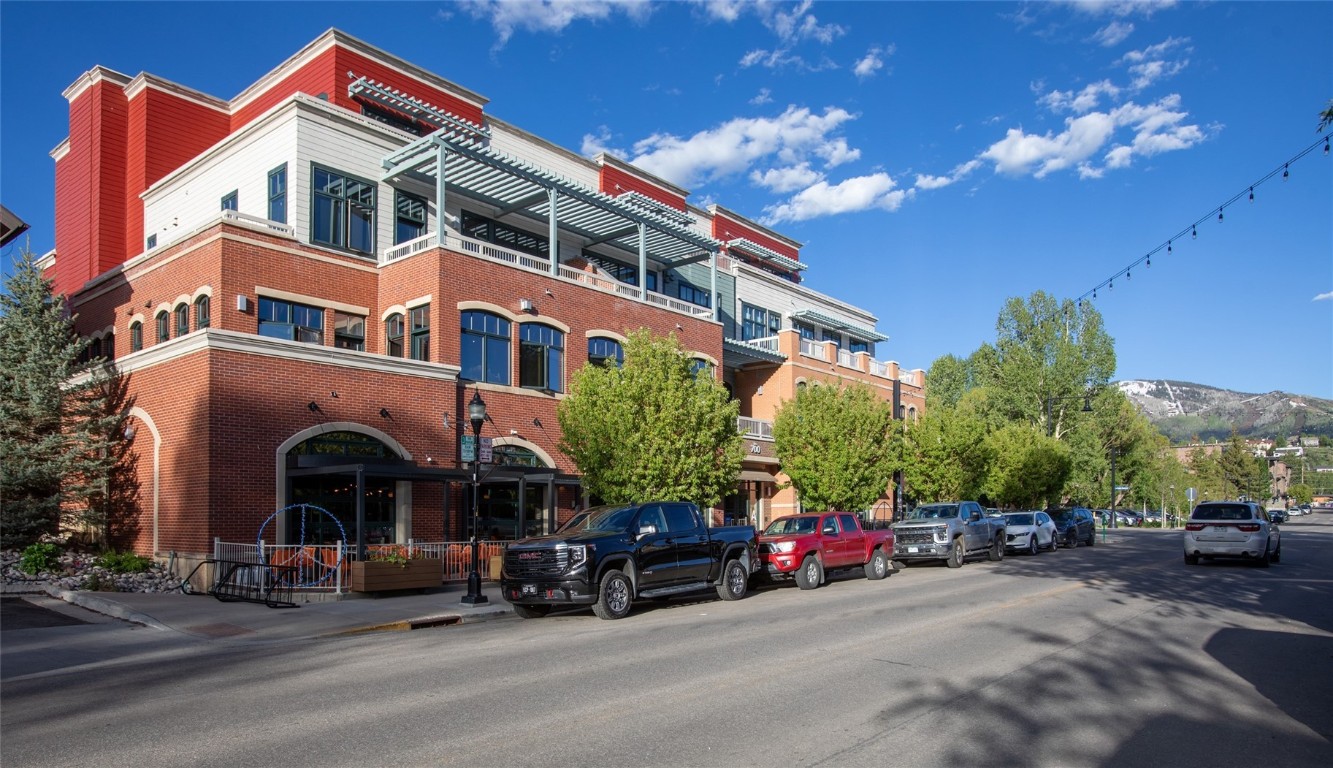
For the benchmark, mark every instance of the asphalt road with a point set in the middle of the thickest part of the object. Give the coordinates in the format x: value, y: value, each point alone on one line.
x: 1106, y: 656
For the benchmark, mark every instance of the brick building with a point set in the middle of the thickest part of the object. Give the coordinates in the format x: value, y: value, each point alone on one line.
x: 304, y: 286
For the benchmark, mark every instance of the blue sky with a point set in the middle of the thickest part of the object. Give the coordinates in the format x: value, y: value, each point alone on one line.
x: 934, y: 158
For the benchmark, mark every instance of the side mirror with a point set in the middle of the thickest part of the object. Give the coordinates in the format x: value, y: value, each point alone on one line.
x: 975, y: 516
x: 647, y: 529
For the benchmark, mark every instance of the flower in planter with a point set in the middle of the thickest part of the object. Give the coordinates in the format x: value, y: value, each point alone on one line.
x: 393, y: 553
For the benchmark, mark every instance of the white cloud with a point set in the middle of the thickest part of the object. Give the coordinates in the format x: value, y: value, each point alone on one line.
x: 736, y: 145
x: 764, y: 96
x: 1156, y: 51
x: 1113, y: 34
x: 869, y: 64
x: 593, y: 145
x: 799, y: 24
x: 957, y: 174
x: 1149, y: 72
x: 1165, y: 59
x: 724, y: 10
x: 780, y: 58
x: 1085, y: 100
x: 509, y: 16
x: 1122, y: 8
x: 1323, y: 296
x: 784, y: 180
x: 1020, y: 152
x: 859, y: 193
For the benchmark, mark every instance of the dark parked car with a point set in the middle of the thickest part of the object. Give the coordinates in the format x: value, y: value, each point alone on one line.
x: 1074, y: 526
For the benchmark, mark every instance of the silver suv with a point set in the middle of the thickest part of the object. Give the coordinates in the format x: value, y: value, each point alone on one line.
x: 1232, y: 529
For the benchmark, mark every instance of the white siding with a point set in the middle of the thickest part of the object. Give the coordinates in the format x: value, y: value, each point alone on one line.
x: 338, y: 147
x: 524, y: 148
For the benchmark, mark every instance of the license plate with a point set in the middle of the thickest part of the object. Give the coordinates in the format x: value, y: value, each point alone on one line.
x: 913, y: 549
x: 529, y: 589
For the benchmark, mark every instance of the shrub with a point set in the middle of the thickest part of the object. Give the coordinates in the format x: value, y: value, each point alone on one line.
x: 42, y: 556
x: 124, y: 562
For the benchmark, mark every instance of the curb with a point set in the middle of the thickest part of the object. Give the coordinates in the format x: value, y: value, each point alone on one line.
x: 105, y: 607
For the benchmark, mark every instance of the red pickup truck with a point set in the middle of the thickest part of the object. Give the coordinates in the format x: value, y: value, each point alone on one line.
x: 808, y: 546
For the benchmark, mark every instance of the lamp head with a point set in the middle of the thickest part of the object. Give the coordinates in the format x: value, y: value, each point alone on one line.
x: 476, y: 412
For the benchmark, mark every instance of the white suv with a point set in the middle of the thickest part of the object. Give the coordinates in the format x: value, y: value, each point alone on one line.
x: 1232, y: 529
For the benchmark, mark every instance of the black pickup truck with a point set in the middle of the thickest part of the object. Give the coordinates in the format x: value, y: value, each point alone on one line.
x: 609, y: 556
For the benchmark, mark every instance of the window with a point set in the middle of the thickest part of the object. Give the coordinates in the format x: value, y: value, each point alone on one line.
x: 109, y: 346
x: 541, y: 355
x: 482, y: 228
x: 136, y: 336
x: 277, y: 194
x: 757, y: 322
x: 421, y: 332
x: 625, y: 273
x: 834, y: 337
x: 393, y: 335
x: 202, y: 312
x: 344, y: 212
x: 485, y: 347
x: 398, y: 121
x: 604, y: 351
x: 163, y: 326
x: 151, y: 242
x: 858, y: 346
x: 806, y: 331
x: 182, y: 317
x: 699, y: 366
x: 287, y: 320
x: 694, y: 295
x: 230, y: 201
x: 409, y: 217
x: 349, y: 332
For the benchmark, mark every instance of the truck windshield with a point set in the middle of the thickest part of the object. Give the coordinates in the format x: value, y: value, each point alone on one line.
x: 790, y: 525
x: 613, y: 518
x: 934, y: 511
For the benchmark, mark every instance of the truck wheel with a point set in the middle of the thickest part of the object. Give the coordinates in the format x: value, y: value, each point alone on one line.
x: 613, y: 596
x: 996, y: 552
x: 956, y: 554
x: 735, y: 581
x: 531, y: 611
x: 878, y: 567
x: 811, y: 573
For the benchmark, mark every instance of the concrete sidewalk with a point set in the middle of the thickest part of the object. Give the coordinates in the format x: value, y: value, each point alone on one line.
x: 207, y: 617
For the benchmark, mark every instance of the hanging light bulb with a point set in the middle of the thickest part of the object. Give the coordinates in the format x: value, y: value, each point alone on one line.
x: 1194, y: 232
x: 1148, y: 262
x: 1251, y: 194
x: 1219, y: 214
x: 1094, y: 293
x: 1110, y: 284
x: 1326, y: 145
x: 1285, y: 173
x: 1168, y: 247
x: 1126, y: 274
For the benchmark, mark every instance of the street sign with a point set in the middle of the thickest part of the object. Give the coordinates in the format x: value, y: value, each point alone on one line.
x: 467, y: 448
x: 486, y: 455
x: 1122, y: 487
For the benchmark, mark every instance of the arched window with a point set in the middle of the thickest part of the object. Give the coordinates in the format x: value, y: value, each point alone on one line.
x: 136, y: 336
x: 516, y: 456
x: 541, y: 357
x: 182, y: 316
x: 163, y: 326
x: 202, y: 312
x: 337, y: 495
x: 109, y: 345
x: 393, y: 335
x: 911, y: 414
x: 604, y: 351
x: 700, y: 366
x: 485, y: 347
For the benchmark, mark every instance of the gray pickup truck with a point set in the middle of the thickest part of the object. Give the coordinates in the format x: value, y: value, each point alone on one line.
x: 948, y: 531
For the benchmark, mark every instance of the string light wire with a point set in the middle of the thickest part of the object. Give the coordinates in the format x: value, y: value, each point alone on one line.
x: 1193, y: 228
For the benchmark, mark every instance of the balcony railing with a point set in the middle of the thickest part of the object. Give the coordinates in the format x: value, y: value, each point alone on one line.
x: 909, y: 379
x: 879, y: 369
x: 846, y: 359
x: 769, y: 343
x: 754, y: 429
x: 811, y: 348
x: 258, y: 222
x: 532, y: 263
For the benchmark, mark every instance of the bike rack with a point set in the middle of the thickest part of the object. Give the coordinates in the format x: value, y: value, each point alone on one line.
x: 236, y: 581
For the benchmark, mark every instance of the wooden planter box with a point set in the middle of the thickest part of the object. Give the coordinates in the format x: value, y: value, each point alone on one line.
x: 377, y: 576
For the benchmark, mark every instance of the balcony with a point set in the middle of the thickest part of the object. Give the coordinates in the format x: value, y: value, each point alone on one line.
x: 530, y: 263
x: 754, y: 429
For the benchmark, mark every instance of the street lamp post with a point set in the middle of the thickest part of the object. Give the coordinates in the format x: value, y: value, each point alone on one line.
x: 476, y: 413
x: 1050, y: 425
x: 1113, y: 522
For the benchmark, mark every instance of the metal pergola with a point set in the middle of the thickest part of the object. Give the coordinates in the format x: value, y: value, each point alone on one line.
x: 458, y: 157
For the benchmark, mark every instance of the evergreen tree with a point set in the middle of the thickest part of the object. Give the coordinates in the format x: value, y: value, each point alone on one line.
x: 835, y: 445
x: 56, y: 415
x: 651, y: 429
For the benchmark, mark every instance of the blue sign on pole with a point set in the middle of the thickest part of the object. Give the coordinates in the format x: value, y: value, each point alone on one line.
x: 467, y: 448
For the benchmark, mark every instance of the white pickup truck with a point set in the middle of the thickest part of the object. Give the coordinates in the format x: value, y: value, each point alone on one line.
x: 949, y: 531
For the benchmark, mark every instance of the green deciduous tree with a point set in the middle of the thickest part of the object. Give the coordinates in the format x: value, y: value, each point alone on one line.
x: 1025, y: 468
x: 944, y: 453
x: 1300, y: 493
x: 836, y: 446
x: 650, y: 429
x: 57, y: 415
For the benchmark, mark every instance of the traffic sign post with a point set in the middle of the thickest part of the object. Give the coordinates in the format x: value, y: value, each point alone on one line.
x: 467, y: 448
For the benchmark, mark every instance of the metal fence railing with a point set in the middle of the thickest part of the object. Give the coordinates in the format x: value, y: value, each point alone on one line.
x: 325, y: 566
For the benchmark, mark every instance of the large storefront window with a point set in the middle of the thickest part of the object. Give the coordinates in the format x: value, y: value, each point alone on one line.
x: 503, y: 515
x: 337, y: 493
